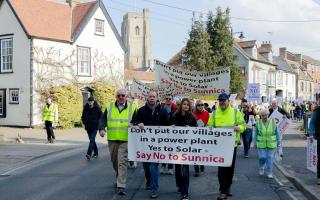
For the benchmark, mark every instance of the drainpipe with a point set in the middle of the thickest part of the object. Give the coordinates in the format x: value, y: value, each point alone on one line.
x: 31, y: 83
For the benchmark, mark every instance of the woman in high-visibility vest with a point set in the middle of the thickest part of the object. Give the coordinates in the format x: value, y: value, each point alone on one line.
x: 266, y: 139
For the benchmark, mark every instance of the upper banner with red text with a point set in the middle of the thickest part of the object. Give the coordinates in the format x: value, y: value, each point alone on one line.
x: 194, y: 82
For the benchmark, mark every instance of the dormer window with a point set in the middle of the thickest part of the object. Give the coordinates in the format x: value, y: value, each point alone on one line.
x: 99, y: 27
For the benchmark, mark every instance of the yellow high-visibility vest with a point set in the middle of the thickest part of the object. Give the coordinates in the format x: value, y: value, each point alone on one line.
x: 266, y: 137
x: 50, y: 113
x: 118, y: 122
x: 228, y: 118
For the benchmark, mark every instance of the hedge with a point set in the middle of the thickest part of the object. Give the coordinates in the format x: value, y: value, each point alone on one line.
x: 104, y: 93
x: 69, y: 101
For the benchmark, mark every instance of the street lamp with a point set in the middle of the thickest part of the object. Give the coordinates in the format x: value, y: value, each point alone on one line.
x: 241, y: 36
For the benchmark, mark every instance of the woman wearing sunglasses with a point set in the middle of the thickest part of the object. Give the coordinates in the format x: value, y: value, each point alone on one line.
x: 202, y: 117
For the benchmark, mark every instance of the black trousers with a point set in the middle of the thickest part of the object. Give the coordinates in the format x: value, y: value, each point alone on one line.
x: 197, y: 168
x: 318, y: 157
x: 182, y: 178
x: 50, y: 133
x: 225, y: 175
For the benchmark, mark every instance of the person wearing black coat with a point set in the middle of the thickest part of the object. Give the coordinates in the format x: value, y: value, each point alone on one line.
x: 92, y: 118
x: 183, y: 117
x: 274, y: 106
x: 152, y: 114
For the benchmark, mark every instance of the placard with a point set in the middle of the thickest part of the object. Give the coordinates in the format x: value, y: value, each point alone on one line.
x: 182, y: 145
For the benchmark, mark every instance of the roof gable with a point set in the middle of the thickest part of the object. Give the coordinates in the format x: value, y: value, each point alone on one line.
x: 82, y: 15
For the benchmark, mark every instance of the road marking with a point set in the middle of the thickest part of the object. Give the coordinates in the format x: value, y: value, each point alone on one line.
x: 39, y: 160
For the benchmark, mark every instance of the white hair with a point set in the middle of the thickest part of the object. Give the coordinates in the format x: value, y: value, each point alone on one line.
x: 274, y: 101
x: 264, y: 111
x: 121, y: 91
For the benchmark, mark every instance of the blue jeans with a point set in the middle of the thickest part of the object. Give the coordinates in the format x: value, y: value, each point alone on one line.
x: 266, y: 159
x: 151, y: 171
x: 92, y: 144
x: 182, y: 178
x: 247, y: 139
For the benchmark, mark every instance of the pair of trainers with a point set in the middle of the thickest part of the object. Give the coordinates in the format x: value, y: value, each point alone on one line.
x: 88, y: 157
x: 154, y: 195
x: 121, y: 191
x: 184, y: 197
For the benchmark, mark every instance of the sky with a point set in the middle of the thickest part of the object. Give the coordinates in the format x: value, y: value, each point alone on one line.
x: 294, y: 24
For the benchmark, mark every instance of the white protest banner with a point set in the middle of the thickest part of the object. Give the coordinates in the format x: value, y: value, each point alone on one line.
x: 194, y: 82
x: 140, y: 90
x: 181, y: 145
x: 253, y: 92
x: 233, y: 97
x: 312, y: 155
x: 282, y: 121
x: 284, y: 125
x: 277, y: 116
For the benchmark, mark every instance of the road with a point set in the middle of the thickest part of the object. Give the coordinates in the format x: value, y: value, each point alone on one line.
x: 67, y: 175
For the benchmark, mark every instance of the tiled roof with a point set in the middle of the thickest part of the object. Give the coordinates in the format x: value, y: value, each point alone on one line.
x: 247, y: 44
x: 311, y: 60
x: 260, y: 58
x: 138, y: 75
x: 282, y: 64
x: 176, y: 59
x: 44, y: 19
x: 79, y: 13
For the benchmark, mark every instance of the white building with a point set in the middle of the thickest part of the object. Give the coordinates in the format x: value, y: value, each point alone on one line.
x: 256, y: 67
x: 304, y: 82
x: 47, y: 43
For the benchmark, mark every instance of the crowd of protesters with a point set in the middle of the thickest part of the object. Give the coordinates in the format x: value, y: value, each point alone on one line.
x: 251, y: 122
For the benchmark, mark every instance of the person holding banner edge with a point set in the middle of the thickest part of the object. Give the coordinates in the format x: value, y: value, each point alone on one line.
x: 314, y: 133
x: 117, y: 117
x: 151, y: 114
x: 183, y: 117
x: 226, y: 116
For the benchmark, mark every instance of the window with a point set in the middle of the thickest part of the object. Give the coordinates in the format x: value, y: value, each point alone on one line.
x: 6, y: 55
x: 301, y: 86
x: 84, y: 61
x: 137, y: 30
x: 2, y: 103
x: 310, y: 88
x: 99, y: 27
x: 287, y: 79
x: 14, y: 96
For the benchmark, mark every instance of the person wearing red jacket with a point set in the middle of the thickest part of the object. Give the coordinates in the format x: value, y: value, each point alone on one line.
x: 202, y: 117
x: 170, y: 107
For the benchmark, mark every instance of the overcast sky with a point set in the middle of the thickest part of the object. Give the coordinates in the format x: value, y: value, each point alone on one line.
x: 294, y: 24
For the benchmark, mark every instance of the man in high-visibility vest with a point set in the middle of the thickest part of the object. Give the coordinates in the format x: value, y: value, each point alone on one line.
x: 117, y: 118
x: 50, y: 116
x: 226, y: 116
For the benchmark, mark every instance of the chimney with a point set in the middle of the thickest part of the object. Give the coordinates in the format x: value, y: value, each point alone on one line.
x: 298, y: 58
x: 283, y: 52
x: 73, y: 3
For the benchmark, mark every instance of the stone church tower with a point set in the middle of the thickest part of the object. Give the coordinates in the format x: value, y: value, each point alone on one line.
x: 136, y: 35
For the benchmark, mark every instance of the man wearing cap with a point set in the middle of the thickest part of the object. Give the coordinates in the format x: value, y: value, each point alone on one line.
x: 117, y: 117
x: 226, y: 116
x: 92, y: 118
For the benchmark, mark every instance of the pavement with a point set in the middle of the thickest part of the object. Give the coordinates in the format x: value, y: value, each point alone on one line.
x: 294, y: 162
x: 36, y: 166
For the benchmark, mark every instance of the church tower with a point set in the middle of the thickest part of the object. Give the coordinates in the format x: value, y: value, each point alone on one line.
x: 136, y: 35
